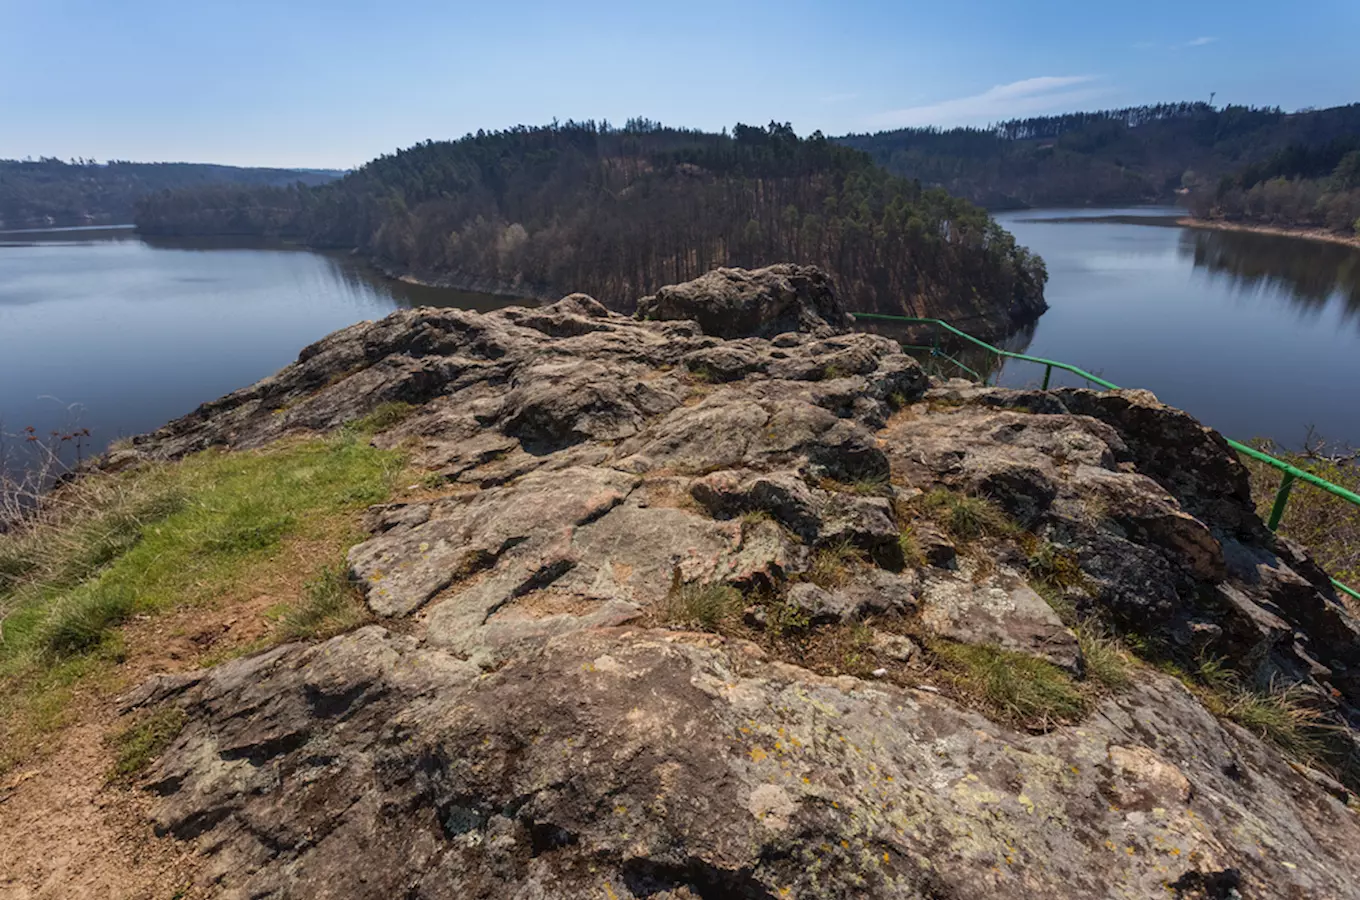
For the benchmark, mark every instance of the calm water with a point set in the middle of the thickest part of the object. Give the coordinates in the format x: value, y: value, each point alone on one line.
x: 101, y: 329
x: 1255, y: 335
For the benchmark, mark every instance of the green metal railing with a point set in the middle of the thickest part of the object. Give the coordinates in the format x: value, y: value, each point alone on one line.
x: 1292, y: 473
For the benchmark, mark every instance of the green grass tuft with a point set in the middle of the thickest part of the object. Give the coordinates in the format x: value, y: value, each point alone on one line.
x: 141, y: 743
x: 704, y: 606
x: 1017, y: 687
x: 384, y: 416
x: 82, y: 620
x: 1054, y: 565
x: 784, y: 620
x: 912, y: 554
x: 967, y: 517
x: 333, y: 605
x: 872, y: 486
x: 1279, y: 715
x: 833, y: 566
x: 1058, y: 601
x: 1108, y: 663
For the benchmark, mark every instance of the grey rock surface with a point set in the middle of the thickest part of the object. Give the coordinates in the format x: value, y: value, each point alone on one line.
x: 524, y: 722
x: 733, y: 303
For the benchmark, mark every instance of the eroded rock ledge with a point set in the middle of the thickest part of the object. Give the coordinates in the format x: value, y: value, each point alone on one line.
x: 522, y: 722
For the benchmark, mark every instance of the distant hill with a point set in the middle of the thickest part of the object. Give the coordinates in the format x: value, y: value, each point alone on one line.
x: 619, y: 212
x: 1301, y: 186
x: 50, y: 192
x: 1135, y: 155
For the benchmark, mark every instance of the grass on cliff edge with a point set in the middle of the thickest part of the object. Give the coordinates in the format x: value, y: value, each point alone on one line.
x: 1327, y: 525
x: 212, y: 527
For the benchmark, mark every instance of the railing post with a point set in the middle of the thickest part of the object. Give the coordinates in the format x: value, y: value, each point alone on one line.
x: 1048, y: 373
x: 1281, y: 498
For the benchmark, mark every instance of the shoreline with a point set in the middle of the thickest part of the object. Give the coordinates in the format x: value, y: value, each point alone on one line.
x: 1308, y: 234
x: 488, y: 286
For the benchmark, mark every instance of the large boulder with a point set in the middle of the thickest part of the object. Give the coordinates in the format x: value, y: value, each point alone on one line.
x: 732, y: 303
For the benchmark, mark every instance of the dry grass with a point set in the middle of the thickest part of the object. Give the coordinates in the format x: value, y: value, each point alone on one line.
x: 913, y: 557
x: 1281, y: 715
x: 1324, y: 523
x: 869, y: 486
x: 845, y: 649
x: 669, y: 492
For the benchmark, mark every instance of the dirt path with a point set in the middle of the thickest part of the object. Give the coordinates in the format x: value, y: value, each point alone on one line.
x: 1310, y: 234
x: 66, y: 833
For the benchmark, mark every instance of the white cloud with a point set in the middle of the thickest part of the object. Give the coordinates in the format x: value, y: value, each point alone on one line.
x: 1005, y: 101
x: 1200, y: 41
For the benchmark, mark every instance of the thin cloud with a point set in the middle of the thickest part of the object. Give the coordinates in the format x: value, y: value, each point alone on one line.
x: 837, y: 98
x: 1005, y: 101
x: 1157, y: 45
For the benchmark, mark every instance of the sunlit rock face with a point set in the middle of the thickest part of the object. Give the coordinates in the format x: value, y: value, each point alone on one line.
x: 531, y: 717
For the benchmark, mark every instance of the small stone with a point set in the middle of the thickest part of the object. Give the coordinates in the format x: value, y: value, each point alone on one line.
x: 894, y: 646
x: 938, y: 549
x: 879, y: 673
x: 820, y: 607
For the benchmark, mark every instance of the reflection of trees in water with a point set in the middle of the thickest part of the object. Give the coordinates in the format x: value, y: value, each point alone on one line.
x: 1309, y: 273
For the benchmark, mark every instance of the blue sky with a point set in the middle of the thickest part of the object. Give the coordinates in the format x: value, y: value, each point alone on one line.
x: 309, y: 83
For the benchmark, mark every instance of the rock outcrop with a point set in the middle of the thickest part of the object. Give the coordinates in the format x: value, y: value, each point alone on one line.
x: 534, y: 716
x: 734, y: 303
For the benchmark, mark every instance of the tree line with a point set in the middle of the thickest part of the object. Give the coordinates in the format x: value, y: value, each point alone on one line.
x: 1131, y: 155
x: 619, y: 211
x: 52, y: 192
x: 1312, y: 186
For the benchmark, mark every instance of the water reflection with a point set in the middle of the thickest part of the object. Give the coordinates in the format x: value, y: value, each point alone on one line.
x: 356, y: 275
x: 1309, y: 273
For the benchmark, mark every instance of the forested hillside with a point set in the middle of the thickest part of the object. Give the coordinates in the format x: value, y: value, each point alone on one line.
x: 1133, y: 155
x: 50, y: 192
x: 619, y: 212
x: 1301, y: 186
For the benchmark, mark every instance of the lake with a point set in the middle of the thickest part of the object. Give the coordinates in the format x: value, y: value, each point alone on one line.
x: 1256, y: 335
x: 104, y: 330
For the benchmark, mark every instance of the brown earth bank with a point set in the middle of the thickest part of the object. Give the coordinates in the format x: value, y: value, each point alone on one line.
x: 725, y: 600
x: 1311, y: 234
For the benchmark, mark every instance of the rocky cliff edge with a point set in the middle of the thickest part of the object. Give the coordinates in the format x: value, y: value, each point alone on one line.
x: 723, y: 600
